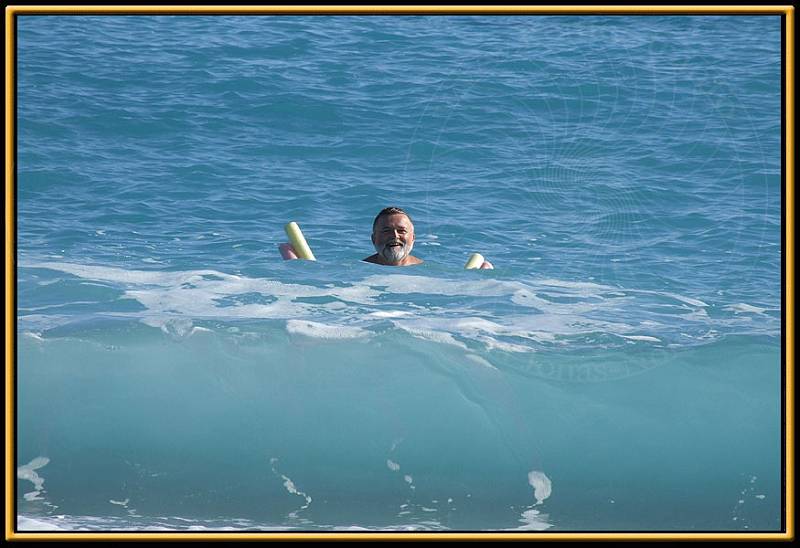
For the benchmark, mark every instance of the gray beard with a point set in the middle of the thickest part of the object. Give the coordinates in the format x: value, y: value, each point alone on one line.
x: 394, y: 254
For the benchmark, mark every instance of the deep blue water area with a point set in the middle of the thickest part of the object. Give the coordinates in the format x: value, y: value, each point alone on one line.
x: 618, y: 370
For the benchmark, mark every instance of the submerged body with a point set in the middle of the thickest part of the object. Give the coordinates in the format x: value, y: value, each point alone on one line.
x: 392, y: 237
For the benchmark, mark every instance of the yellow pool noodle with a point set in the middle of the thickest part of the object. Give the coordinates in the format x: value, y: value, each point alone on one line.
x: 298, y: 241
x: 475, y: 261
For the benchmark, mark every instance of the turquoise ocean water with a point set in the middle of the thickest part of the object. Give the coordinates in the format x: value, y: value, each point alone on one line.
x: 619, y: 370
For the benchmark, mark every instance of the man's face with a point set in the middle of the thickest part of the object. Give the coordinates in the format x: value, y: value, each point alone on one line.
x: 393, y: 237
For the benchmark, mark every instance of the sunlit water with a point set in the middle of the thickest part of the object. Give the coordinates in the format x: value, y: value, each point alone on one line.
x: 620, y: 369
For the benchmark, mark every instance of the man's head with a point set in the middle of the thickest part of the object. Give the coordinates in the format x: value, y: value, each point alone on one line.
x: 393, y: 235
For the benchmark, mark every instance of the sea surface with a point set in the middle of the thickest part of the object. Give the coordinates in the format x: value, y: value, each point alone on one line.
x: 619, y: 369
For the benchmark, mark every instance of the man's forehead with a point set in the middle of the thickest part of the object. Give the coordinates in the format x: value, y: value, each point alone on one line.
x: 394, y: 220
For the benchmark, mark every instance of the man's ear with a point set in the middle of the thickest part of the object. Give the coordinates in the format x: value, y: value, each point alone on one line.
x: 373, y: 238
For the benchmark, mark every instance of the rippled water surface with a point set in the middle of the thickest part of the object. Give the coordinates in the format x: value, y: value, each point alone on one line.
x: 619, y: 369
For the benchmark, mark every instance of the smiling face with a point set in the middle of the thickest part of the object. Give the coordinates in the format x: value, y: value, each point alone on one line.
x: 393, y: 238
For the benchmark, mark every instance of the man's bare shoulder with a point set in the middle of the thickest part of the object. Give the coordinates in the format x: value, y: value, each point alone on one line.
x: 376, y: 259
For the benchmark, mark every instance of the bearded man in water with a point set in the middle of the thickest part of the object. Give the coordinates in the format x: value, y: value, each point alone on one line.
x: 393, y: 238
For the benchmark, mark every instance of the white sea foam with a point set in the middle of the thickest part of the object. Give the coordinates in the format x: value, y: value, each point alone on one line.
x: 740, y: 308
x: 135, y: 523
x: 492, y: 343
x: 532, y: 520
x: 402, y: 284
x: 390, y: 313
x: 536, y: 311
x: 542, y: 487
x: 33, y: 524
x: 640, y: 338
x: 322, y: 331
x: 290, y: 486
x: 431, y: 335
x: 28, y: 472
